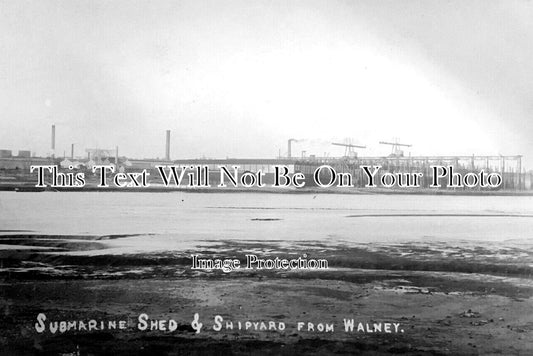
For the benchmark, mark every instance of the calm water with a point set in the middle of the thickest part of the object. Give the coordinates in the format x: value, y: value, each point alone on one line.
x: 175, y: 218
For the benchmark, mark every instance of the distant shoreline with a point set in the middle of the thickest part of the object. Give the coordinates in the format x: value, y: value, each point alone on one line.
x: 307, y: 190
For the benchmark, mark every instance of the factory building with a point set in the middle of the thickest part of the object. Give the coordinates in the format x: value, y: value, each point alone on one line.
x: 510, y: 167
x: 22, y: 163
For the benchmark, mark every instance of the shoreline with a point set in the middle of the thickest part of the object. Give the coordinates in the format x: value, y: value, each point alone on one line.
x: 307, y: 190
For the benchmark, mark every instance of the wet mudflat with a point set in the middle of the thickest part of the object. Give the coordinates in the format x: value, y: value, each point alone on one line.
x: 450, y: 290
x: 445, y: 304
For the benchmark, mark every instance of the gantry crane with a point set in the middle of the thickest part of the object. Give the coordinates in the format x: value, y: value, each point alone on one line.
x: 396, y: 151
x: 348, y: 148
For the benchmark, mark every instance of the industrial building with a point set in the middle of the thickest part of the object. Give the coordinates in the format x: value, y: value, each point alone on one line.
x: 510, y: 167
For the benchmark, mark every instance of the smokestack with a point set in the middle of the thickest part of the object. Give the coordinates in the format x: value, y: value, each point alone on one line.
x: 53, y: 140
x: 289, y: 148
x: 167, y: 150
x: 72, y: 151
x: 116, y: 158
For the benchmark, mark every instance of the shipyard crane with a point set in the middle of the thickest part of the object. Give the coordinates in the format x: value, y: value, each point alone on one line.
x: 396, y: 151
x: 348, y: 148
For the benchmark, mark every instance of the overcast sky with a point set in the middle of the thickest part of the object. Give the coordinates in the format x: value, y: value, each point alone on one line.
x: 238, y: 78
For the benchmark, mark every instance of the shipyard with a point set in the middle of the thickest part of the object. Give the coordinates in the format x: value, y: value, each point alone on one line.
x: 443, y: 174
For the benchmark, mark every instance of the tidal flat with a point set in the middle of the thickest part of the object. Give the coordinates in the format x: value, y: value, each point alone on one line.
x: 453, y: 273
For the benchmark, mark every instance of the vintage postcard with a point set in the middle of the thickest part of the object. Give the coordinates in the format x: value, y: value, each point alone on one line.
x: 279, y: 177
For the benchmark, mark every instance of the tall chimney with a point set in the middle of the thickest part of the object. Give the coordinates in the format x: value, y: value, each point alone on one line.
x: 116, y: 159
x: 167, y: 150
x: 72, y: 151
x: 289, y: 148
x: 53, y: 140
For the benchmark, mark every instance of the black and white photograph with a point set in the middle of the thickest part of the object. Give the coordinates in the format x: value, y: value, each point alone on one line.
x: 266, y: 177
